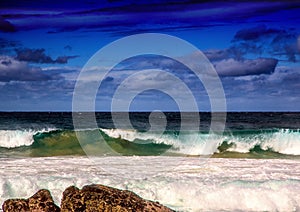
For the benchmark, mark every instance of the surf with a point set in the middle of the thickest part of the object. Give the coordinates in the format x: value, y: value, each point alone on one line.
x: 104, y: 142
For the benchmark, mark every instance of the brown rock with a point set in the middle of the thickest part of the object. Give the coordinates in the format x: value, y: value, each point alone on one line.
x: 96, y: 198
x: 15, y: 205
x: 91, y: 198
x: 40, y: 202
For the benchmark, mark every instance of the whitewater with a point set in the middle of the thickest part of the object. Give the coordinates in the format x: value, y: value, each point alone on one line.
x: 184, y: 184
x: 254, y: 165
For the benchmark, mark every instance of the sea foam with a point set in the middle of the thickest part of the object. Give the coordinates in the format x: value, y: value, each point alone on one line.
x: 184, y: 184
x: 18, y: 138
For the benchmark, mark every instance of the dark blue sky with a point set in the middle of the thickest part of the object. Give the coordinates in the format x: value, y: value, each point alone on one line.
x: 253, y: 45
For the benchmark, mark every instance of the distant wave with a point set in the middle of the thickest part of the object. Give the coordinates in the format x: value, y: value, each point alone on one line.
x: 240, y: 143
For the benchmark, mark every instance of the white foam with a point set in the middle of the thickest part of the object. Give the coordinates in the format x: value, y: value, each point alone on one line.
x: 284, y: 141
x: 18, y: 138
x: 133, y: 135
x: 190, y: 143
x: 184, y: 184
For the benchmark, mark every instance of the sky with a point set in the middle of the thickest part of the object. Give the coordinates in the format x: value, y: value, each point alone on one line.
x: 254, y: 47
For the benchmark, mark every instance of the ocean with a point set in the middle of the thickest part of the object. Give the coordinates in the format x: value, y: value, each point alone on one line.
x: 253, y: 165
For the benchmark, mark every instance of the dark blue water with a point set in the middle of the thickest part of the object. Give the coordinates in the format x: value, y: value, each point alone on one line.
x: 234, y: 120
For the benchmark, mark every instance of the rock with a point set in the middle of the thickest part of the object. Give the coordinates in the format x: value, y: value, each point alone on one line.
x: 91, y: 198
x: 41, y: 201
x: 15, y: 205
x: 96, y: 198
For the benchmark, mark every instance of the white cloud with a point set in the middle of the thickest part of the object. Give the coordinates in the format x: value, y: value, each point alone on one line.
x: 15, y: 70
x: 232, y: 67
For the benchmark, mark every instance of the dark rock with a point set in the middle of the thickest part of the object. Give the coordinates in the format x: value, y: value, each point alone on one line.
x: 96, y: 198
x: 41, y: 201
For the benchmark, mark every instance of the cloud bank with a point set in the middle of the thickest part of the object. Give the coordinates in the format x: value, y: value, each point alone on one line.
x: 231, y: 67
x: 15, y: 70
x: 39, y: 56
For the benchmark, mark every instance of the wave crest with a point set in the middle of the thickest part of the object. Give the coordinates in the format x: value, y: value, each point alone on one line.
x: 19, y: 138
x: 132, y: 142
x: 283, y: 141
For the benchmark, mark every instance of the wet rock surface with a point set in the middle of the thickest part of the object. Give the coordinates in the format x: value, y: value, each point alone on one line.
x: 94, y: 198
x: 91, y: 198
x: 41, y: 201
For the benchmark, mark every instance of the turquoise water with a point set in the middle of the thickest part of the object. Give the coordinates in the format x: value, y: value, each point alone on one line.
x: 247, y: 135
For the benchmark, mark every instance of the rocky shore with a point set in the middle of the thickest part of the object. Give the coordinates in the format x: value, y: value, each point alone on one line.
x: 91, y: 198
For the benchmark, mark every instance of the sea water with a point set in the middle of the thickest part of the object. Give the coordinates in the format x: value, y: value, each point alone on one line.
x: 252, y: 166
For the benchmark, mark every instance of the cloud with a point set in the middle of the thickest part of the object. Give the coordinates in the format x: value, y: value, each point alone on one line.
x: 33, y: 55
x: 261, y: 39
x: 232, y: 67
x: 285, y: 43
x: 39, y: 56
x: 228, y: 63
x: 37, y: 95
x: 14, y: 70
x: 238, y: 50
x: 217, y: 54
x: 225, y: 66
x: 255, y: 33
x: 277, y: 91
x: 69, y: 73
x: 64, y: 59
x: 120, y: 17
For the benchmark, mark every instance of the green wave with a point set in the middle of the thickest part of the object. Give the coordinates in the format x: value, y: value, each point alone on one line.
x: 65, y: 142
x: 274, y: 143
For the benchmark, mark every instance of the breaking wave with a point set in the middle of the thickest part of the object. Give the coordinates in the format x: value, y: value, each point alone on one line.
x: 248, y: 143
